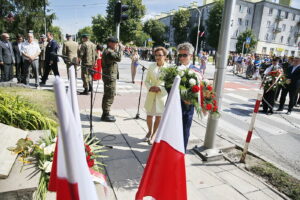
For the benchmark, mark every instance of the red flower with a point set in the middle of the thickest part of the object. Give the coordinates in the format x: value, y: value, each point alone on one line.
x: 195, y: 89
x: 213, y: 96
x: 215, y: 109
x: 208, y: 106
x: 214, y: 102
x: 87, y: 148
x: 209, y: 87
x: 88, y: 158
x: 90, y: 163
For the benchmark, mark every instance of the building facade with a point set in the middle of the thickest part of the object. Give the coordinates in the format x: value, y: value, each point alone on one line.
x: 276, y: 27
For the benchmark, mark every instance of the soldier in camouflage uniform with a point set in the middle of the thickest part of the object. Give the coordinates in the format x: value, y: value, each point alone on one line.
x: 70, y: 49
x: 87, y: 55
x: 110, y: 57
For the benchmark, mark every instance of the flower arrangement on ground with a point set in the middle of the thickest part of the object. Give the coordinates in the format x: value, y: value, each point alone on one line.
x: 274, y: 79
x: 41, y: 155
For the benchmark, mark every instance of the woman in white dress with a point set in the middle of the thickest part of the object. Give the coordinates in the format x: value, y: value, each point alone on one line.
x: 157, y: 94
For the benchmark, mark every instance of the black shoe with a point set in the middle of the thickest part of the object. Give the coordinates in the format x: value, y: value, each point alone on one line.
x: 85, y: 92
x: 108, y: 118
x: 280, y: 109
x: 289, y: 113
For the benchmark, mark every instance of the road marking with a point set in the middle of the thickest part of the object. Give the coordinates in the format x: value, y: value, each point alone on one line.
x: 237, y: 97
x: 245, y: 89
x: 229, y: 89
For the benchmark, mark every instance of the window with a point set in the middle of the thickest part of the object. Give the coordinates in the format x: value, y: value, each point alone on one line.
x: 292, y: 53
x: 274, y: 37
x: 279, y: 13
x: 283, y: 27
x: 291, y: 29
x: 267, y: 37
x: 241, y: 8
x: 286, y: 15
x: 286, y: 52
x: 264, y: 50
x: 271, y: 11
x: 271, y: 50
x: 268, y: 23
x: 281, y: 39
x: 294, y: 17
x: 289, y: 40
x: 249, y: 10
x: 246, y: 22
x: 236, y: 33
x: 240, y: 21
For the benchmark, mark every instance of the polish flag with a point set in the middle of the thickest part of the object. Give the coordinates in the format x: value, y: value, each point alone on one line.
x: 70, y: 176
x: 201, y: 33
x: 164, y: 176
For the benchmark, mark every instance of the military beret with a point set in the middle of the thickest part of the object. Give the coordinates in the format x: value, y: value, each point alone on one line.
x: 113, y: 39
x: 68, y: 35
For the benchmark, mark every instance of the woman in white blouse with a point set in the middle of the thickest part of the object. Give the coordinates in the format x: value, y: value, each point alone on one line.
x: 157, y: 95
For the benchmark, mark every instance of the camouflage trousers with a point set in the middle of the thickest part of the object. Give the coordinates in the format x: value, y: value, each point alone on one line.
x: 86, y: 76
x: 109, y: 94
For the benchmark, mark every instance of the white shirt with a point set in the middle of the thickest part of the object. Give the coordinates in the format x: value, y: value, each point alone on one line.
x: 30, y: 49
x: 294, y: 68
x: 184, y: 67
x: 20, y: 47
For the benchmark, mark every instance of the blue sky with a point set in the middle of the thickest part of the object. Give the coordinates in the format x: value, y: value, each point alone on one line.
x: 75, y: 14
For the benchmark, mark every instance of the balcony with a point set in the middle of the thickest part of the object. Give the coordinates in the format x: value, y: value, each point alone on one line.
x: 279, y: 18
x: 276, y: 30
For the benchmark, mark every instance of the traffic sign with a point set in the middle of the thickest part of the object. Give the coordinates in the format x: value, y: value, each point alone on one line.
x: 248, y: 40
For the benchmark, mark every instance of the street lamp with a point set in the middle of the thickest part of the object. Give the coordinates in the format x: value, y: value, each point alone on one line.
x: 199, y: 18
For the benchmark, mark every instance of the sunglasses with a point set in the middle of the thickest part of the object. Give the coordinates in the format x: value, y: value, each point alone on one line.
x: 182, y: 55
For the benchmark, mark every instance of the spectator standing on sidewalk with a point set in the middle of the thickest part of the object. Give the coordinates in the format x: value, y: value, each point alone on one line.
x: 134, y: 64
x: 7, y: 58
x: 51, y: 58
x: 30, y: 51
x: 203, y: 62
x: 17, y: 45
x: 157, y: 94
x: 87, y: 55
x: 269, y: 97
x: 110, y: 58
x: 42, y: 65
x: 292, y: 85
x: 70, y: 49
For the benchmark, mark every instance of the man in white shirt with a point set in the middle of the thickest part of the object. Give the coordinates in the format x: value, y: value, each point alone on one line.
x: 30, y: 51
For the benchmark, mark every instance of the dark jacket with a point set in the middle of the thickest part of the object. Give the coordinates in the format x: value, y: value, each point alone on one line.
x: 295, y: 77
x: 51, y: 48
x: 18, y: 56
x: 6, y: 53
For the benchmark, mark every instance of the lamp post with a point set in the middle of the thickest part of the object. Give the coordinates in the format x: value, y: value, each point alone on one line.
x: 196, y: 50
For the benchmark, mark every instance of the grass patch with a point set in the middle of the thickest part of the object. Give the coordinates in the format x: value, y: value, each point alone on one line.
x: 285, y: 183
x: 43, y: 101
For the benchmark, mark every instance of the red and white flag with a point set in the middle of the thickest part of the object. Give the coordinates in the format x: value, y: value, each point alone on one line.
x: 70, y: 176
x: 164, y: 176
x: 201, y: 33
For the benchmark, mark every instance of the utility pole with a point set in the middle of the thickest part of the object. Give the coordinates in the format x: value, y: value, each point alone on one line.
x: 208, y: 151
x: 199, y: 20
x: 45, y: 21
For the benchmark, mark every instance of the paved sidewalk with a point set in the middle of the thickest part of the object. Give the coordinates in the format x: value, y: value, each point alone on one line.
x: 126, y: 161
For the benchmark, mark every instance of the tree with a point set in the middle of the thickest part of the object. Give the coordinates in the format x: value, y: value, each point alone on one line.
x: 180, y: 22
x: 99, y: 28
x: 156, y: 31
x: 87, y: 30
x: 129, y: 27
x: 242, y: 38
x: 26, y: 15
x: 140, y: 37
x: 213, y: 24
x: 57, y: 34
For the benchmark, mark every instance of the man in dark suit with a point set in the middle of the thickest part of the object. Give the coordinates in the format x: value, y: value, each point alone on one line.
x: 292, y: 85
x: 7, y: 58
x: 17, y: 45
x: 50, y: 58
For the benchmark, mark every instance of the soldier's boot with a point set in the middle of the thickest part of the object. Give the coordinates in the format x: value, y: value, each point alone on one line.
x: 85, y: 92
x: 106, y: 117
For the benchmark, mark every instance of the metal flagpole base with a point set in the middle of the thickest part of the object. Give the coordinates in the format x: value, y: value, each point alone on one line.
x: 208, y: 154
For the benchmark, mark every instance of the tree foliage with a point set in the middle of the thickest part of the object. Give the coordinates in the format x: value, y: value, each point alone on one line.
x: 242, y: 38
x: 56, y: 31
x: 99, y: 28
x: 87, y: 30
x: 129, y: 27
x: 156, y: 30
x: 26, y: 15
x: 214, y: 24
x: 140, y: 37
x: 180, y: 22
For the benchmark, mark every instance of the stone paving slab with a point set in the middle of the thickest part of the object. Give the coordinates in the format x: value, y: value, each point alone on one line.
x: 224, y: 192
x: 9, y: 137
